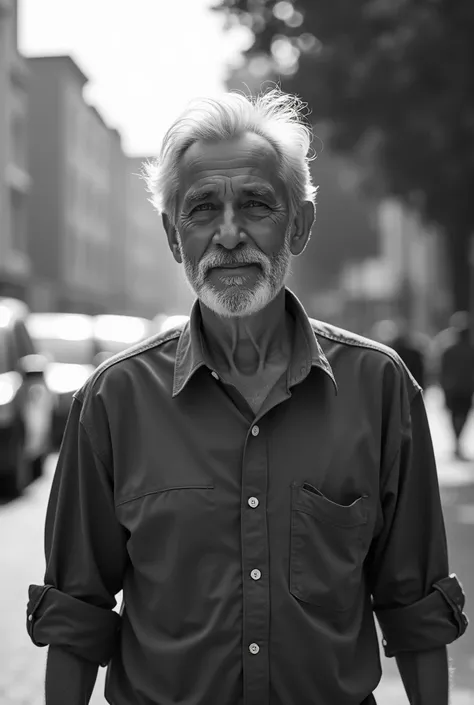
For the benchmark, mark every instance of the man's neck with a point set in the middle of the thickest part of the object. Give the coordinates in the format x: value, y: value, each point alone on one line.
x: 248, y: 346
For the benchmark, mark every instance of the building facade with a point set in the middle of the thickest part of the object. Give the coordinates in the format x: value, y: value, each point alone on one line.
x: 118, y: 209
x: 155, y: 282
x: 69, y: 226
x: 87, y: 235
x: 14, y: 171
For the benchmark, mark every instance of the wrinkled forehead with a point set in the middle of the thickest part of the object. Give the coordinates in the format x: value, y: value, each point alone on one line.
x: 229, y: 165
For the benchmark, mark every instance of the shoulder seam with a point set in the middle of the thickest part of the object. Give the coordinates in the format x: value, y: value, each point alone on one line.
x: 355, y: 343
x: 147, y: 345
x: 392, y: 355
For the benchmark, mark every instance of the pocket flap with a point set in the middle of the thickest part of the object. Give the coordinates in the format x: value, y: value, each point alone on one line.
x: 307, y: 498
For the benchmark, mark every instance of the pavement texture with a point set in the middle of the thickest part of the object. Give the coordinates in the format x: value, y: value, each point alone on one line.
x: 22, y: 562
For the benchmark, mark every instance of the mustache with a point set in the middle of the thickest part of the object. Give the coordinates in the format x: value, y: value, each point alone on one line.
x: 226, y: 259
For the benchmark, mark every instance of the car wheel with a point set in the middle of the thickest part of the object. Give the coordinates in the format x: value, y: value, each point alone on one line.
x: 18, y: 474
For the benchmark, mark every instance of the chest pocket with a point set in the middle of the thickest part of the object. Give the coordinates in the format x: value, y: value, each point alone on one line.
x: 328, y: 545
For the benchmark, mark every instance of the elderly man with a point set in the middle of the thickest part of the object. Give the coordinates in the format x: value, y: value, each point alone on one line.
x: 258, y: 483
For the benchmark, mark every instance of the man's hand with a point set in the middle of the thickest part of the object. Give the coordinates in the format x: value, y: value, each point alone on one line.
x: 425, y: 675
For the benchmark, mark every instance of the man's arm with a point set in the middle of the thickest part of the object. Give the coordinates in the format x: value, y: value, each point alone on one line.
x: 418, y: 606
x: 85, y: 550
x: 425, y: 675
x: 69, y: 679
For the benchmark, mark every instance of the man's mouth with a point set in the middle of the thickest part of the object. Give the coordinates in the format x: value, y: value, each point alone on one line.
x: 237, y: 265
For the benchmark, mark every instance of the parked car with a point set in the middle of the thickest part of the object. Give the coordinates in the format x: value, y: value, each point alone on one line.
x: 114, y: 333
x: 67, y: 339
x: 26, y: 403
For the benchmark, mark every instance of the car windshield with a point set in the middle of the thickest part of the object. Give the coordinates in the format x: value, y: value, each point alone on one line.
x: 63, y: 338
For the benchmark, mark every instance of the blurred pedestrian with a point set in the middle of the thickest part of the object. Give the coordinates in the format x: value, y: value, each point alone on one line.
x: 411, y: 350
x: 257, y: 483
x: 459, y: 320
x: 397, y: 335
x: 456, y: 376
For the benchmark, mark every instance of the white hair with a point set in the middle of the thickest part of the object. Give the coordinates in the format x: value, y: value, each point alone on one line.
x: 274, y: 115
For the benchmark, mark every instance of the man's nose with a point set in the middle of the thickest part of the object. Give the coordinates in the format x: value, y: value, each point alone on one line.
x: 228, y: 234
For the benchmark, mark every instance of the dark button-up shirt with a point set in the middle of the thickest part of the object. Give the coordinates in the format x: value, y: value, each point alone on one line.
x: 251, y: 550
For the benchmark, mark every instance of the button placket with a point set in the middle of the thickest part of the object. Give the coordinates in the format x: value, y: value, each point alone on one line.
x: 255, y: 553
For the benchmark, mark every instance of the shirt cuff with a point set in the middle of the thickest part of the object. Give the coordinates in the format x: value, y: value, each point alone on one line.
x: 435, y: 621
x: 57, y: 619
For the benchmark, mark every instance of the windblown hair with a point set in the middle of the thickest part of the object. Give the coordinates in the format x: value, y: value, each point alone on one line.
x: 274, y: 115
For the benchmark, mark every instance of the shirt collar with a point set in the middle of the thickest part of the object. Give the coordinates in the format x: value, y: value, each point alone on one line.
x: 307, y: 352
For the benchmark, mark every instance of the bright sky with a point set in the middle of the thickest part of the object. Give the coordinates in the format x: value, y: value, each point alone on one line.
x: 145, y: 58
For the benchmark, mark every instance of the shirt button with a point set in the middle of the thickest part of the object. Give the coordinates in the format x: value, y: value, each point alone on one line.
x: 255, y: 574
x: 214, y: 374
x: 255, y: 431
x: 254, y: 648
x: 30, y: 617
x: 253, y: 502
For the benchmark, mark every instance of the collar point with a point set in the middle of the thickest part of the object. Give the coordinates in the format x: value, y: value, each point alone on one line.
x: 177, y: 389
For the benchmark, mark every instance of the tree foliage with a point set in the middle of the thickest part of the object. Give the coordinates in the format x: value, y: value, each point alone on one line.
x: 395, y: 81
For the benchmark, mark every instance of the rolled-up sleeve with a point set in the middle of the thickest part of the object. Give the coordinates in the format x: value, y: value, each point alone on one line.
x: 418, y: 604
x: 85, y: 549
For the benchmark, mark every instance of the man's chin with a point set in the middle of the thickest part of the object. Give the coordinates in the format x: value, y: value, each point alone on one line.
x: 235, y: 302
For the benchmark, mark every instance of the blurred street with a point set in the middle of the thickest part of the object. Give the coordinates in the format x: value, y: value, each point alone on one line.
x: 21, y: 557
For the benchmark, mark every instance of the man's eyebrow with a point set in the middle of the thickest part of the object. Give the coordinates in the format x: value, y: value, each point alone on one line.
x: 251, y: 190
x: 258, y: 190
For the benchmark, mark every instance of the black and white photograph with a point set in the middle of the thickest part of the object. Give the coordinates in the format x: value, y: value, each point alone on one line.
x: 236, y: 352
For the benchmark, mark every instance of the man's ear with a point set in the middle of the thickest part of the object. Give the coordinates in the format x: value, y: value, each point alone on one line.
x: 172, y: 236
x: 301, y: 228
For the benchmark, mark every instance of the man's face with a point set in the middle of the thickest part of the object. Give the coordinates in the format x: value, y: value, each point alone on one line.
x: 232, y: 224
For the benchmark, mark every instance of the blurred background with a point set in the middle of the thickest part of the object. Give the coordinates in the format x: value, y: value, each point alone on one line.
x: 87, y: 90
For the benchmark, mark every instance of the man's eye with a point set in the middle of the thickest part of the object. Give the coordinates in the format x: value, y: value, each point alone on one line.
x: 255, y: 204
x: 203, y: 207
